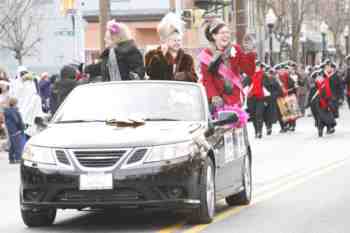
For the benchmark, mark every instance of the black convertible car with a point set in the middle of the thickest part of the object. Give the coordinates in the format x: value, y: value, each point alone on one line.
x: 135, y: 144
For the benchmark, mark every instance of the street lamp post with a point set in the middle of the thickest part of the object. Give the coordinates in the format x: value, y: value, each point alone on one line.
x: 346, y: 35
x: 324, y: 29
x: 270, y: 22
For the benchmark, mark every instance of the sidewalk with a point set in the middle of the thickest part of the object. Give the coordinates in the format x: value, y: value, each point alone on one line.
x: 3, y: 153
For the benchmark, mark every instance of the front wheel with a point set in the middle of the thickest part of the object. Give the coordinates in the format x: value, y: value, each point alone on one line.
x: 38, y: 218
x: 205, y: 213
x: 244, y: 197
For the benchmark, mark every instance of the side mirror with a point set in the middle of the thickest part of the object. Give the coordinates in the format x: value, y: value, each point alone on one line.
x: 210, y: 131
x: 42, y: 122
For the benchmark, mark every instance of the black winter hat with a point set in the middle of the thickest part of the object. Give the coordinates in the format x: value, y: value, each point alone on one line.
x: 68, y: 72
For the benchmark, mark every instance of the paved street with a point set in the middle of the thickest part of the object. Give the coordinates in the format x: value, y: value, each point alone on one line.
x: 300, y: 185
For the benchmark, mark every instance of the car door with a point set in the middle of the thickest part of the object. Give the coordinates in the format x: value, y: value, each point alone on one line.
x: 232, y: 158
x: 228, y: 161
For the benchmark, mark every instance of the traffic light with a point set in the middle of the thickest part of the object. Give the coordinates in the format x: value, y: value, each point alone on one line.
x: 67, y: 6
x: 198, y: 18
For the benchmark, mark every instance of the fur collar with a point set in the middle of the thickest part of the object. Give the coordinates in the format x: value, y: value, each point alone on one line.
x: 122, y: 47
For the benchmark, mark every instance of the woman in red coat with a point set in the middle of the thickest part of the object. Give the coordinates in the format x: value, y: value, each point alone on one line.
x: 221, y: 65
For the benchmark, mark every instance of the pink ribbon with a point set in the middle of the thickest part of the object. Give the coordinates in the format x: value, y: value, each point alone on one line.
x: 224, y: 71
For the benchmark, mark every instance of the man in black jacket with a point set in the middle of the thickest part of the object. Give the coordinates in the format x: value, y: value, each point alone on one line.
x: 63, y: 86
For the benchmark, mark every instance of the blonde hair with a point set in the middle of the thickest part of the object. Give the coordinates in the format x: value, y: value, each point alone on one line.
x: 119, y: 31
x: 13, y: 102
x: 169, y: 25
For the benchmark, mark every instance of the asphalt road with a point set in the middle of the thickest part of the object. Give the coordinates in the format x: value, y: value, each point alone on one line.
x: 320, y: 204
x: 300, y: 185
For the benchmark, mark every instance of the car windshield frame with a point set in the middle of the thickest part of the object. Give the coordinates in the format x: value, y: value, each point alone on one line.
x: 204, y: 110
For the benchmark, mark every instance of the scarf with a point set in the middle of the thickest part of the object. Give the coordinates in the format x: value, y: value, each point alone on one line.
x: 257, y: 84
x: 113, y: 67
x: 324, y: 85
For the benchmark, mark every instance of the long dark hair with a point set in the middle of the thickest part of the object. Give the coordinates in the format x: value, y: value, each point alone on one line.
x: 210, y: 31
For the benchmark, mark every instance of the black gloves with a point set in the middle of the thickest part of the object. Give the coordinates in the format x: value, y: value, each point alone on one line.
x: 215, y: 63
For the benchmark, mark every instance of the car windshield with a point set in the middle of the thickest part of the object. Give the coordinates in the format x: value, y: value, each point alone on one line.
x: 149, y: 101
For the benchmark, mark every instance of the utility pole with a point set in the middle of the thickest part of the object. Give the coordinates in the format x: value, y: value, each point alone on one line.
x: 241, y: 19
x: 105, y: 10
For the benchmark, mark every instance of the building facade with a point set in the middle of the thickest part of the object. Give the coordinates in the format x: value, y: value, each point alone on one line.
x: 142, y: 17
x: 59, y: 43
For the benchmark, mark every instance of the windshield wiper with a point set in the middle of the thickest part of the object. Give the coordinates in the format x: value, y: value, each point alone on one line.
x: 161, y: 119
x: 79, y: 121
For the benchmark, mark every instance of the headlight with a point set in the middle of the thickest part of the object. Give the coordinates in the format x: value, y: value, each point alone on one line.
x: 38, y: 155
x: 161, y: 153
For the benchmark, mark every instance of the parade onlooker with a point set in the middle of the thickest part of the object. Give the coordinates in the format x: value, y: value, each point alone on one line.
x: 169, y: 61
x: 222, y: 63
x: 15, y: 127
x: 44, y: 90
x: 3, y: 75
x: 24, y: 89
x: 4, y: 99
x: 53, y: 95
x: 121, y: 60
x: 65, y: 84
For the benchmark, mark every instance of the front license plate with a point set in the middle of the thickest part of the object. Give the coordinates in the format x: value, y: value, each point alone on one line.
x: 96, y: 181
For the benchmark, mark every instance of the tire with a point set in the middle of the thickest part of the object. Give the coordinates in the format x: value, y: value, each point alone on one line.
x: 205, y: 213
x: 243, y: 197
x: 39, y: 218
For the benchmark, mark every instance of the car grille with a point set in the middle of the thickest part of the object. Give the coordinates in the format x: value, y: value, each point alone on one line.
x: 121, y: 195
x: 99, y: 159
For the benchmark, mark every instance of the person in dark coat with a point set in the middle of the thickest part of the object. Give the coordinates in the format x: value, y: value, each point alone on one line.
x: 320, y: 101
x: 169, y: 61
x: 53, y: 95
x: 330, y: 72
x: 271, y: 108
x: 44, y: 90
x: 15, y: 128
x: 288, y: 88
x: 121, y: 60
x: 64, y: 85
x: 257, y: 95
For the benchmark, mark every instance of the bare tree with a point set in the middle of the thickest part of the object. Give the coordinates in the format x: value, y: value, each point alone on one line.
x: 337, y: 17
x: 20, y: 27
x: 291, y: 15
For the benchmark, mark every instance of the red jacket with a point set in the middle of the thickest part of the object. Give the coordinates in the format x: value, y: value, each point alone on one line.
x: 257, y: 85
x: 242, y: 62
x: 284, y: 78
x: 324, y: 90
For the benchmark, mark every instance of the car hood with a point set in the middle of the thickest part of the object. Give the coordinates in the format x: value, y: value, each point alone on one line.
x: 100, y: 135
